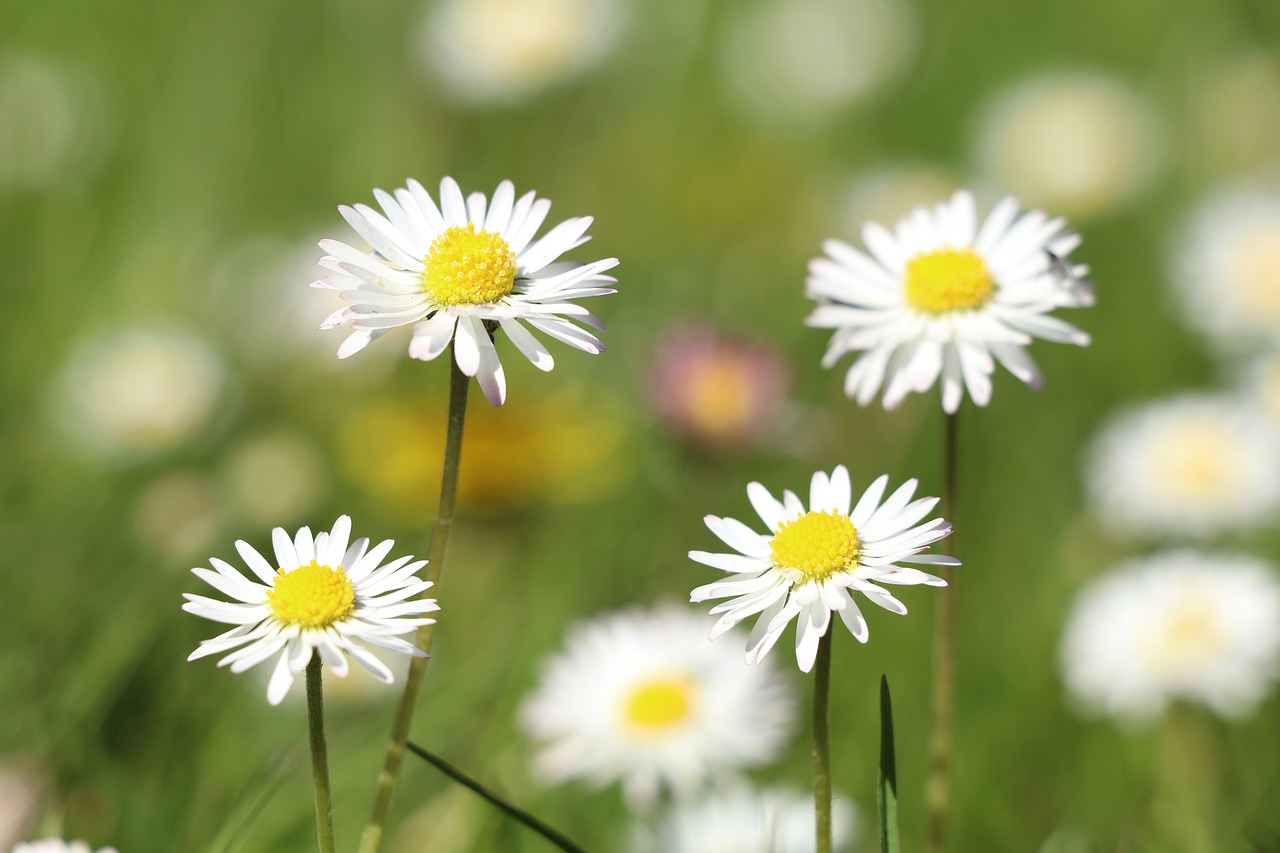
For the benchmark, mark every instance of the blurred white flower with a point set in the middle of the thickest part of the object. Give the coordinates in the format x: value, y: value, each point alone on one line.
x: 1227, y: 267
x: 641, y: 697
x: 941, y: 299
x: 138, y: 392
x: 1191, y: 466
x: 806, y: 59
x: 1182, y: 625
x: 280, y: 474
x: 1079, y: 142
x: 57, y: 845
x: 811, y: 562
x: 506, y: 51
x: 22, y: 788
x: 737, y: 819
x: 329, y: 597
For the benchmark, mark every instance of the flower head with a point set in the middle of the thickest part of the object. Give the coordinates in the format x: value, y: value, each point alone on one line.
x: 811, y: 560
x: 740, y: 820
x: 640, y: 696
x: 324, y: 597
x: 715, y: 390
x: 1186, y: 467
x: 940, y: 297
x: 1185, y: 625
x: 460, y: 272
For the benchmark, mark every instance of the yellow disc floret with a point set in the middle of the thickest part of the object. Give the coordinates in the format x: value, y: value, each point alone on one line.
x: 948, y: 280
x: 469, y: 267
x: 312, y: 596
x: 817, y: 544
x: 659, y: 703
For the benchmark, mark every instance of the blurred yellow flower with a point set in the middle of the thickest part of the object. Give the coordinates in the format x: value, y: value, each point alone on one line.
x: 558, y: 449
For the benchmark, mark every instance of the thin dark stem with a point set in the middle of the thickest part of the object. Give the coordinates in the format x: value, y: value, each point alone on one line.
x: 458, y: 386
x: 507, y: 808
x: 822, y: 743
x: 937, y: 790
x: 319, y: 756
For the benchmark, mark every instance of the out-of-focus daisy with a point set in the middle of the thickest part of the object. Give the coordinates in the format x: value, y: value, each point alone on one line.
x: 1079, y: 142
x: 138, y: 391
x: 22, y: 790
x: 57, y: 845
x: 810, y: 561
x: 1228, y: 267
x: 1235, y: 111
x: 54, y: 125
x: 941, y: 297
x: 461, y: 272
x: 641, y: 697
x: 277, y: 474
x: 1187, y: 625
x: 1190, y: 466
x: 506, y: 51
x: 740, y: 820
x: 807, y: 59
x: 324, y: 598
x: 178, y: 512
x: 715, y: 390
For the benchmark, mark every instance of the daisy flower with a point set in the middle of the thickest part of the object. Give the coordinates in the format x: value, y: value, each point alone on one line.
x: 811, y: 560
x: 1187, y: 625
x: 941, y: 297
x: 1190, y: 466
x: 641, y: 697
x: 325, y: 597
x: 460, y: 272
x: 1227, y: 267
x: 57, y: 845
x: 737, y: 819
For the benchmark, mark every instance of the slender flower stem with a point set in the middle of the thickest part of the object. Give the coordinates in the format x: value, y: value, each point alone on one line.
x: 547, y: 832
x: 458, y: 385
x: 319, y: 756
x: 937, y: 790
x: 822, y: 743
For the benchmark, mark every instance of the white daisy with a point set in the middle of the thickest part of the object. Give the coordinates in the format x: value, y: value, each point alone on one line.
x: 641, y: 697
x: 740, y: 820
x: 325, y: 597
x: 940, y: 296
x: 57, y: 845
x: 460, y: 272
x: 1227, y: 267
x: 1190, y: 466
x: 1185, y: 625
x: 810, y: 561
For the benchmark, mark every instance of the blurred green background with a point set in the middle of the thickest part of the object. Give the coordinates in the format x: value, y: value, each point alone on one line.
x: 165, y: 171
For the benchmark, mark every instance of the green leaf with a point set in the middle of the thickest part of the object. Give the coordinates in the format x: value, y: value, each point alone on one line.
x: 887, y: 794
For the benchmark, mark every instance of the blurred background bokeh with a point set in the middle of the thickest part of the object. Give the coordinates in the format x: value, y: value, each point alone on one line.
x: 166, y: 169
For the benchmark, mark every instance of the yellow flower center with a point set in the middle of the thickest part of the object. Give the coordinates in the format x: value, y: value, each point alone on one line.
x: 469, y: 267
x: 1196, y: 462
x: 312, y: 596
x: 948, y: 280
x: 719, y: 397
x: 818, y: 544
x: 659, y: 703
x: 1190, y: 637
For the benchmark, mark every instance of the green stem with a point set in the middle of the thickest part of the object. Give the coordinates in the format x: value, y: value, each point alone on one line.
x: 458, y: 386
x: 510, y: 810
x: 887, y: 794
x: 319, y: 756
x: 937, y: 790
x: 822, y: 743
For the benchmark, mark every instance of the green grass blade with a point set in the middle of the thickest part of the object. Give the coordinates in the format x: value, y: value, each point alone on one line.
x: 251, y: 803
x: 887, y: 793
